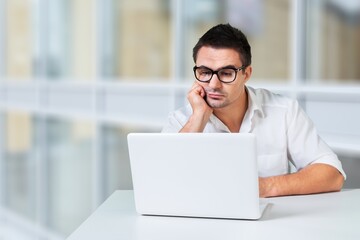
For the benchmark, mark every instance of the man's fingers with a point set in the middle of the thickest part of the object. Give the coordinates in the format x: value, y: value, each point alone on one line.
x: 195, y: 85
x: 198, y: 89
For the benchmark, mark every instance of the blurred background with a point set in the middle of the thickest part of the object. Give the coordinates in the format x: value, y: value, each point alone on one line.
x: 76, y: 76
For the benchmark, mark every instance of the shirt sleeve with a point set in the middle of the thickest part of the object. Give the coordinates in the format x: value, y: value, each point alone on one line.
x: 172, y: 125
x: 304, y: 144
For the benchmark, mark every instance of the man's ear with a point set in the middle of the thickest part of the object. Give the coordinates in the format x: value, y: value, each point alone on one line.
x: 248, y: 72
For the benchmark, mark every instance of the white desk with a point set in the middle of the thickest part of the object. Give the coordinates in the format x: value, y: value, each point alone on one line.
x: 321, y: 216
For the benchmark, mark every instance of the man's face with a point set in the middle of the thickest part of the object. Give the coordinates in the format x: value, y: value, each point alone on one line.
x: 218, y: 94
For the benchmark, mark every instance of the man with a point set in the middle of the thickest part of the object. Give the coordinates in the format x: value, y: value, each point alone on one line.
x: 221, y: 102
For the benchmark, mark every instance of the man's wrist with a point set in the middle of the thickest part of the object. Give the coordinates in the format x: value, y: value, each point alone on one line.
x: 198, y: 121
x: 267, y: 187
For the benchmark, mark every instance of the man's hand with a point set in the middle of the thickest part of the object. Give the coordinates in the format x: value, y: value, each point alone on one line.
x: 196, y: 97
x: 201, y: 110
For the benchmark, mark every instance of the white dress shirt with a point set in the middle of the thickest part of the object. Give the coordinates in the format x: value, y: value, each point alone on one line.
x: 286, y: 137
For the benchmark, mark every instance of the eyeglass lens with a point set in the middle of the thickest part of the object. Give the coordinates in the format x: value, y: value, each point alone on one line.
x: 224, y: 75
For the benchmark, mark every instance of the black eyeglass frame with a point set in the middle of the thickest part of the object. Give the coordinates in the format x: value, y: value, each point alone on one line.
x: 216, y: 72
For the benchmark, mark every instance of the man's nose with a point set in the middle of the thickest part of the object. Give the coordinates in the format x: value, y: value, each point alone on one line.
x: 215, y: 82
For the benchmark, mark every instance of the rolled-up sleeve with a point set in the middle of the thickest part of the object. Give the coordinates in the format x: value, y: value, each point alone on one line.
x: 304, y: 144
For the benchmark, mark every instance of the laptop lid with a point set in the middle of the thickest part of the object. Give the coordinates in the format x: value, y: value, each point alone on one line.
x: 195, y: 174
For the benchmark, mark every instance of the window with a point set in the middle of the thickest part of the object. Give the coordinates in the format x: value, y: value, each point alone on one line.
x: 116, y: 156
x: 19, y: 165
x: 267, y: 29
x: 136, y: 43
x: 19, y: 50
x: 77, y: 76
x: 332, y: 41
x: 69, y: 173
x: 69, y: 40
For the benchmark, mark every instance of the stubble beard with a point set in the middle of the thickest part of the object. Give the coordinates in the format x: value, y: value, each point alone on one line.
x: 216, y: 103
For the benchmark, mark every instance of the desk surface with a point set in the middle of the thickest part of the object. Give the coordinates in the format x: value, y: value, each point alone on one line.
x: 320, y: 216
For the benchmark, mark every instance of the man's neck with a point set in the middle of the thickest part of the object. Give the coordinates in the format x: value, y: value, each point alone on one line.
x: 233, y: 115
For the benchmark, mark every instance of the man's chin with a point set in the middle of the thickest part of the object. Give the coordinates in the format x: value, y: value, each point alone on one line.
x: 215, y: 104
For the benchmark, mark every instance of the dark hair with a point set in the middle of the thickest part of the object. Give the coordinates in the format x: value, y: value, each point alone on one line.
x: 225, y: 36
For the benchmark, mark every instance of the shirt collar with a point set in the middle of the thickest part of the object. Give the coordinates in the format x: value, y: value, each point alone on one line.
x: 254, y: 103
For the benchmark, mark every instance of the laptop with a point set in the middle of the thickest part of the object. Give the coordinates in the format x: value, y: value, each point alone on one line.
x: 209, y: 175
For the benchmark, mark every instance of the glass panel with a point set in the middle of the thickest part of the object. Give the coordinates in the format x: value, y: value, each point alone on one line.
x: 351, y: 166
x: 199, y: 16
x: 18, y: 40
x: 266, y: 24
x: 116, y: 155
x: 333, y: 41
x: 69, y: 172
x: 70, y: 34
x: 19, y: 163
x: 136, y: 39
x: 2, y: 41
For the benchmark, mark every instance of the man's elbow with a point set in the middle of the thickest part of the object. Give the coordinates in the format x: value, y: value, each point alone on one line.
x: 338, y: 181
x: 333, y: 180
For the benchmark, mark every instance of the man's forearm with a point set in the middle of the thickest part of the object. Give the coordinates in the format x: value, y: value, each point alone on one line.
x: 196, y: 123
x: 315, y: 178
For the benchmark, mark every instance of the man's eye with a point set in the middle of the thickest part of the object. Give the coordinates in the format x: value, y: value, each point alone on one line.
x: 205, y: 72
x: 226, y: 73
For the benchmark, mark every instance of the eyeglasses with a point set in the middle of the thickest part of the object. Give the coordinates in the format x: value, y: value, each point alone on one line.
x: 225, y: 75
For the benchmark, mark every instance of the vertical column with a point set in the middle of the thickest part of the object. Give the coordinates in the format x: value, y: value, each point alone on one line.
x: 177, y: 48
x: 298, y: 44
x: 2, y: 37
x: 41, y: 172
x: 314, y: 49
x: 2, y: 161
x: 298, y: 26
x: 40, y: 124
x: 2, y: 127
x: 98, y: 166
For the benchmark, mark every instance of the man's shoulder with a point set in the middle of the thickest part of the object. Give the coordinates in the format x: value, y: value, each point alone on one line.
x: 267, y: 98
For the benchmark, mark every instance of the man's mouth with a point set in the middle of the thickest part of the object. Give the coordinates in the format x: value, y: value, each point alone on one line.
x: 214, y: 95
